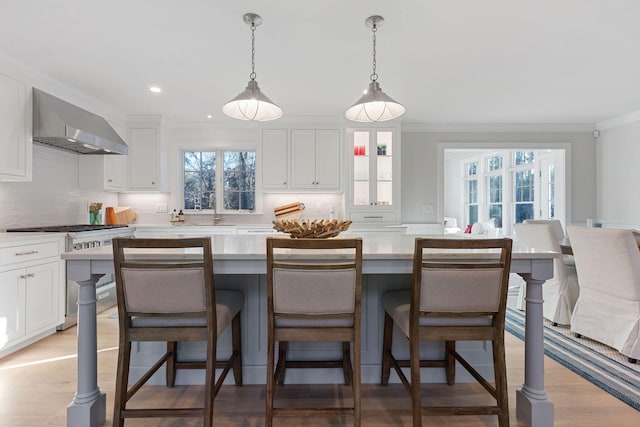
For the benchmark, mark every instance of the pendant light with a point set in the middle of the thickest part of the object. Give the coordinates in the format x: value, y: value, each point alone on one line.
x: 374, y: 105
x: 252, y: 104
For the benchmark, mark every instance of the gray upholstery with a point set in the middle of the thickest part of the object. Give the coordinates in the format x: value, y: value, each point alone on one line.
x: 397, y: 304
x: 164, y: 290
x: 228, y: 304
x: 457, y: 290
x: 313, y: 291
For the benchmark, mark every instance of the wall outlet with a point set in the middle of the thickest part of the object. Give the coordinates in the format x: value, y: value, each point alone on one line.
x: 162, y: 208
x: 427, y: 208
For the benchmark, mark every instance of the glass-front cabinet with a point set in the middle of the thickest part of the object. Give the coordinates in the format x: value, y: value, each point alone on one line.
x: 375, y: 174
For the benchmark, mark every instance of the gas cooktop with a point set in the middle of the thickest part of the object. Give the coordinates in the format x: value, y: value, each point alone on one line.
x: 67, y: 228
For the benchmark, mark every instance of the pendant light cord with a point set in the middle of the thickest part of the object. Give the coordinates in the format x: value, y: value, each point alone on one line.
x: 374, y: 75
x: 252, y: 76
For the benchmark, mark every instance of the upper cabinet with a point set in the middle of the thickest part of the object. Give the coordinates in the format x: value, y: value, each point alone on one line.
x: 15, y: 133
x: 374, y: 193
x: 315, y: 159
x: 104, y: 172
x: 301, y: 159
x: 275, y: 159
x: 147, y: 160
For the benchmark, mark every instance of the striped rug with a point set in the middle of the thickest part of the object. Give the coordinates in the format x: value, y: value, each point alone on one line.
x: 596, y: 362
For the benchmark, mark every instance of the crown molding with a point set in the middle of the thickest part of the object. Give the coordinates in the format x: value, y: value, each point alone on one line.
x: 618, y: 121
x: 498, y: 127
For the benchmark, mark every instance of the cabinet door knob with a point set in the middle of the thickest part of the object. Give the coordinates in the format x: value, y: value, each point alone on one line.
x: 284, y: 183
x: 153, y: 183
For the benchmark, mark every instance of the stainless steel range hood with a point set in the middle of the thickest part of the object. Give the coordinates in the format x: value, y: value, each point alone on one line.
x: 61, y: 125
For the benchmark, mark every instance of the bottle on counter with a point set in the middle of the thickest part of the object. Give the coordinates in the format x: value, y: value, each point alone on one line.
x: 174, y: 215
x: 180, y: 215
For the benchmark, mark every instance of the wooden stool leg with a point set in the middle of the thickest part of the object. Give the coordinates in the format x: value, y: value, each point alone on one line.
x: 346, y: 363
x: 450, y: 348
x: 357, y: 378
x: 416, y: 399
x: 122, y: 383
x: 500, y: 373
x: 271, y: 381
x: 386, y: 349
x: 236, y: 338
x: 172, y: 350
x: 282, y: 361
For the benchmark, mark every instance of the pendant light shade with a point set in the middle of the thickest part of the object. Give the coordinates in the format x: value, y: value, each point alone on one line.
x: 374, y: 105
x: 252, y: 104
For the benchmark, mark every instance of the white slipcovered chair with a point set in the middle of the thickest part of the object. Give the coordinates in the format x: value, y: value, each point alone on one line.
x: 608, y: 309
x: 555, y: 224
x: 560, y: 292
x: 559, y: 233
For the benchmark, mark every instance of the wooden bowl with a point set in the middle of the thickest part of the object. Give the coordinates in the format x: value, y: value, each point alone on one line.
x: 311, y: 229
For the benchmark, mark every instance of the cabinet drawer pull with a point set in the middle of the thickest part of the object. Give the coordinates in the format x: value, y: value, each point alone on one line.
x: 372, y: 217
x: 26, y: 253
x: 26, y: 276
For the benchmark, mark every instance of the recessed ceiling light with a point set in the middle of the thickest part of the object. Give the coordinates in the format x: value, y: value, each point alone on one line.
x: 209, y: 116
x: 155, y: 89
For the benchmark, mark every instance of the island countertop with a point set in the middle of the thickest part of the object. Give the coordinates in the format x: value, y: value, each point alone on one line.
x: 375, y: 246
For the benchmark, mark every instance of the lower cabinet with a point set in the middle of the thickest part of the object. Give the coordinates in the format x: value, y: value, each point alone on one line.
x: 31, y: 294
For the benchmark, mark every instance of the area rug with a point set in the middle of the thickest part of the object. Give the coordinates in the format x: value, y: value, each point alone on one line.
x: 596, y: 362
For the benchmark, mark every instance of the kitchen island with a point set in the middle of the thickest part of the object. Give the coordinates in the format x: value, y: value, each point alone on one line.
x: 240, y: 263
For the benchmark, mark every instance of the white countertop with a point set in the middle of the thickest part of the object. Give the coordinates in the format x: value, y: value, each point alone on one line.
x: 253, y: 247
x: 13, y: 238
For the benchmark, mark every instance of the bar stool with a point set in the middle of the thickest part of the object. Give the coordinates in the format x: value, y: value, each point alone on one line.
x: 172, y: 301
x: 451, y: 299
x: 311, y: 301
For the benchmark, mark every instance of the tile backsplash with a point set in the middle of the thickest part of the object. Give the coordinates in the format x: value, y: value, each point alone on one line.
x: 52, y: 197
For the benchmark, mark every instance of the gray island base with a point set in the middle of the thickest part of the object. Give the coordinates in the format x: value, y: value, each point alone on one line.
x: 239, y: 263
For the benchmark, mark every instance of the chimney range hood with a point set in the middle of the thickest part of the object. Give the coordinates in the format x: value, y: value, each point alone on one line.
x: 61, y: 125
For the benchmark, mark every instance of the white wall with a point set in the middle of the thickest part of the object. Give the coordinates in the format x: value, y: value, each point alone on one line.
x: 423, y: 167
x: 618, y: 188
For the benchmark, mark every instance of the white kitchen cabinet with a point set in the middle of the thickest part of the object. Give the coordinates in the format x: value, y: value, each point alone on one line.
x: 183, y: 230
x: 275, y: 159
x: 374, y: 193
x: 32, y: 282
x: 148, y: 158
x: 315, y: 159
x: 102, y: 172
x: 15, y: 135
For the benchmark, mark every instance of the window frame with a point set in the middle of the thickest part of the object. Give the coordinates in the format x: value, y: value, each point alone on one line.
x: 220, y: 188
x: 532, y: 167
x: 492, y: 173
x: 469, y: 177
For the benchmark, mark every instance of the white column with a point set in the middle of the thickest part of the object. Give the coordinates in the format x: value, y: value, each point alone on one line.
x: 89, y: 406
x: 532, y: 405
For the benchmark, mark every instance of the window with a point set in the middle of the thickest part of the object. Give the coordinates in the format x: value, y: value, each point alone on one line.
x: 231, y: 190
x: 199, y: 180
x: 471, y: 200
x: 523, y: 185
x: 239, y: 180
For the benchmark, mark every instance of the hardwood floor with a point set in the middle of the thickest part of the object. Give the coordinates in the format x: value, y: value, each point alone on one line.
x: 37, y: 384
